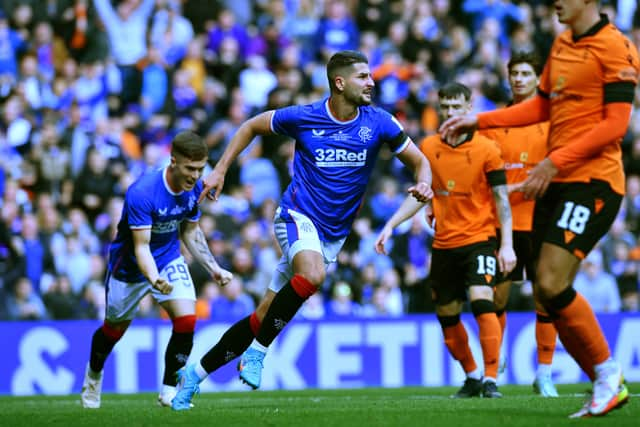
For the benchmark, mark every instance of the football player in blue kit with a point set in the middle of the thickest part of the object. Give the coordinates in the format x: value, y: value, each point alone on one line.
x: 160, y: 210
x: 337, y: 141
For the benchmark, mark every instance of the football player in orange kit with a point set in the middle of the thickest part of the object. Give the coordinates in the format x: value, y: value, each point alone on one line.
x: 586, y: 92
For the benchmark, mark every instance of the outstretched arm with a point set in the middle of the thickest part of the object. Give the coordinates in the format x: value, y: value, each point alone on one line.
x: 524, y: 113
x: 407, y: 209
x: 258, y: 125
x: 193, y: 238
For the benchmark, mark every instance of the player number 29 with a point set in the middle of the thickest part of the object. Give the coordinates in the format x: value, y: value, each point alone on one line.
x: 486, y: 265
x: 574, y: 217
x: 179, y: 272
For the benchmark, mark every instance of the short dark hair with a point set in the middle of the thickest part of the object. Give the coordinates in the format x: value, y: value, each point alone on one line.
x: 453, y: 90
x: 526, y: 57
x: 341, y: 60
x: 190, y: 145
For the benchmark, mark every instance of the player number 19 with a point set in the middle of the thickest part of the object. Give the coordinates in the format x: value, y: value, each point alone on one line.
x: 486, y: 265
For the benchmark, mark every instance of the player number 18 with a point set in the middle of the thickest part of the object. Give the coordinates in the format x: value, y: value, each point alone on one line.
x: 574, y: 217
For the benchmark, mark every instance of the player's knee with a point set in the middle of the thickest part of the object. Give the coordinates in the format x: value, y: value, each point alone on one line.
x: 315, y: 277
x: 482, y: 306
x: 448, y: 321
x: 184, y: 324
x: 545, y: 287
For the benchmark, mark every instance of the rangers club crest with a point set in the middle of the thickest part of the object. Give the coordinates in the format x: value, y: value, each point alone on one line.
x: 365, y: 134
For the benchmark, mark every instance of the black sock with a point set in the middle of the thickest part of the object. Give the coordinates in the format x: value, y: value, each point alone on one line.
x: 176, y: 355
x: 232, y: 344
x: 284, y: 306
x: 101, y: 347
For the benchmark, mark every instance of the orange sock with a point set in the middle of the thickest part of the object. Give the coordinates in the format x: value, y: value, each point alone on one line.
x: 546, y: 335
x: 581, y: 334
x: 457, y: 341
x: 490, y: 342
x: 572, y: 346
x: 502, y: 318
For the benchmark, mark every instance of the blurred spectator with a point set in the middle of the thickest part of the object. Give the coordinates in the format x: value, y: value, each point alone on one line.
x: 208, y: 293
x: 260, y: 177
x: 155, y: 85
x: 596, y: 285
x: 313, y: 307
x: 13, y: 44
x: 373, y: 15
x: 378, y: 307
x: 226, y: 28
x: 394, y: 301
x: 233, y: 303
x: 94, y: 185
x: 337, y: 30
x: 503, y: 11
x: 32, y: 249
x: 170, y: 32
x: 341, y: 303
x: 244, y: 269
x: 24, y: 303
x: 12, y: 265
x: 385, y: 201
x: 92, y: 301
x: 256, y: 81
x: 411, y: 257
x: 126, y: 27
x: 60, y: 300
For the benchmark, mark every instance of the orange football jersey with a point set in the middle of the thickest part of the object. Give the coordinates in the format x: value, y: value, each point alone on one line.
x: 522, y: 148
x: 462, y: 197
x: 574, y: 78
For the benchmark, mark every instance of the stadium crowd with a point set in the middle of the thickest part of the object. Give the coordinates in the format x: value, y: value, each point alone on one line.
x: 92, y: 92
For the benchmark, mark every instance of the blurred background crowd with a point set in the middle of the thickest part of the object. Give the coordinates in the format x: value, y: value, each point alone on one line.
x: 92, y: 92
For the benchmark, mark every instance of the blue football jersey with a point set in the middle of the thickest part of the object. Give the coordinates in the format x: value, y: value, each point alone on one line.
x: 150, y: 203
x: 333, y: 161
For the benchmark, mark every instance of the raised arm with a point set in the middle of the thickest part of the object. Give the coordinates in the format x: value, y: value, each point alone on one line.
x: 146, y: 263
x: 257, y: 125
x: 193, y: 238
x: 534, y: 110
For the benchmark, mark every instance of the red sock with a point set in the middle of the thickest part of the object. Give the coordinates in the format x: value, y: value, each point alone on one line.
x: 254, y: 322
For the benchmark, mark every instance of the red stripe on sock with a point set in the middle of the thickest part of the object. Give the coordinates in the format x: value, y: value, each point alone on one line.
x: 254, y: 323
x: 302, y: 286
x: 112, y: 333
x: 184, y: 324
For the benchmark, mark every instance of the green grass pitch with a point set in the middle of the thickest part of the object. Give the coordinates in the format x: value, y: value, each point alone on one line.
x: 411, y: 406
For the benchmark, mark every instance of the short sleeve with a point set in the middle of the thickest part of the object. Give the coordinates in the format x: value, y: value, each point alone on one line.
x: 392, y: 132
x: 494, y: 159
x: 138, y: 207
x: 285, y: 121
